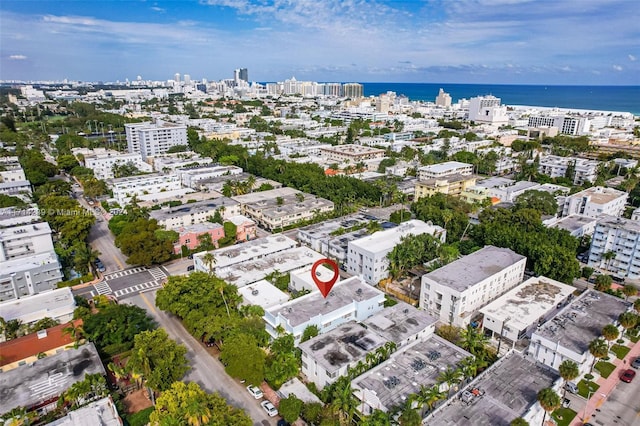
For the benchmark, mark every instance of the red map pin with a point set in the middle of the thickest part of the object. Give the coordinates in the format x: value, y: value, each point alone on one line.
x: 325, y: 286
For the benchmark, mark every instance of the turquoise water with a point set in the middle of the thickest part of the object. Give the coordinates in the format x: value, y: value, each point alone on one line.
x: 605, y: 98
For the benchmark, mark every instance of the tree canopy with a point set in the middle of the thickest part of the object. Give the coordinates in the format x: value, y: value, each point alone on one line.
x: 243, y: 358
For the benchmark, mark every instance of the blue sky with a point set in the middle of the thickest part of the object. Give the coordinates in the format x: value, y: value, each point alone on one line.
x: 434, y: 41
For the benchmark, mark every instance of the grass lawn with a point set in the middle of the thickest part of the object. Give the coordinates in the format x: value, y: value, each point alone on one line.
x: 605, y: 368
x: 634, y: 339
x: 620, y: 351
x: 584, y: 386
x: 563, y: 416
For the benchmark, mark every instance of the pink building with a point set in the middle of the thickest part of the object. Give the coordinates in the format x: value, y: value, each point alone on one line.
x: 246, y: 228
x: 189, y: 235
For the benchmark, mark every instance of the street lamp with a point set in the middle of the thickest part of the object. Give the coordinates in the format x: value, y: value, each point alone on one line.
x: 502, y: 334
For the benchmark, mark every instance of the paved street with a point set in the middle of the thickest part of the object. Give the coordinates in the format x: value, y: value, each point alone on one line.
x: 126, y: 283
x: 205, y: 370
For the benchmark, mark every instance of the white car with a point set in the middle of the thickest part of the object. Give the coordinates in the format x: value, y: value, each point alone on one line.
x: 269, y: 408
x: 254, y: 391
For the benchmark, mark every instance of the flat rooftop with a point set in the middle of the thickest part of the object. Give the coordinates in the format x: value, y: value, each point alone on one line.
x: 475, y: 267
x: 399, y: 322
x: 38, y: 306
x: 250, y: 271
x: 389, y: 238
x: 102, y: 412
x: 510, y: 388
x: 342, y: 346
x: 495, y: 182
x: 582, y: 320
x: 263, y: 293
x: 324, y: 229
x: 525, y: 304
x: 574, y: 222
x: 410, y: 367
x: 48, y: 377
x: 618, y: 223
x: 192, y: 208
x: 299, y: 389
x: 24, y: 231
x: 248, y: 250
x: 271, y: 194
x: 600, y: 194
x: 445, y: 167
x: 353, y: 149
x: 343, y: 293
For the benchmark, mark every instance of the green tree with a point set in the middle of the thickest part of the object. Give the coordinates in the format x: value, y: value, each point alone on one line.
x: 628, y: 320
x: 409, y: 417
x: 311, y: 412
x: 568, y: 371
x: 243, y: 358
x: 610, y: 333
x: 598, y: 349
x: 519, y: 421
x: 187, y: 404
x: 139, y: 242
x: 309, y: 333
x: 290, y: 408
x: 377, y: 418
x: 282, y: 363
x: 549, y: 401
x: 603, y: 282
x: 160, y: 360
x: 67, y: 162
x: 542, y: 201
x: 628, y: 291
x: 343, y: 402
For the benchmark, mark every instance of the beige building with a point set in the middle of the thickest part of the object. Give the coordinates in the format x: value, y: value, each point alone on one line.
x: 351, y: 153
x: 450, y: 185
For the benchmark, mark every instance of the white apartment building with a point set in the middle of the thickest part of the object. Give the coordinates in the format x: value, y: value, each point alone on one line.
x: 192, y: 213
x: 329, y: 356
x: 22, y: 241
x: 595, y: 201
x: 191, y: 176
x: 150, y: 139
x: 166, y: 163
x: 447, y: 168
x: 12, y: 216
x: 367, y: 256
x: 618, y: 236
x: 455, y: 292
x: 102, y: 163
x: 127, y: 187
x: 487, y: 109
x: 29, y: 275
x: 350, y: 153
x: 58, y: 304
x: 567, y: 335
x: 13, y: 181
x: 555, y: 166
x: 507, y: 190
x: 565, y: 124
x: 350, y: 299
x: 517, y: 313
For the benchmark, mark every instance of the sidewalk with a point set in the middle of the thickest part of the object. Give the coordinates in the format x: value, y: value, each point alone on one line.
x: 606, y: 386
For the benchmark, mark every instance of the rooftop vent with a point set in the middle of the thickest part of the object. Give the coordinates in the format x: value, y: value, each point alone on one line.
x: 254, y: 292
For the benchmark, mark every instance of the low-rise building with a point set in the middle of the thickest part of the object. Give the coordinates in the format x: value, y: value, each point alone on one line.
x: 595, y: 201
x: 102, y: 412
x: 56, y: 304
x: 30, y: 275
x: 246, y: 228
x: 447, y: 168
x: 453, y: 185
x: 350, y: 299
x: 578, y: 226
x: 193, y: 213
x: 568, y: 334
x: 367, y: 256
x: 391, y: 383
x: 516, y: 314
x: 26, y: 349
x: 103, y: 162
x: 302, y: 280
x: 506, y: 391
x: 23, y: 241
x: 555, y: 166
x: 350, y: 153
x: 13, y: 216
x: 126, y: 188
x: 38, y: 385
x: 191, y: 236
x: 455, y: 292
x: 167, y: 163
x: 262, y: 293
x: 191, y: 176
x: 329, y: 356
x: 506, y: 190
x: 615, y: 246
x: 402, y: 324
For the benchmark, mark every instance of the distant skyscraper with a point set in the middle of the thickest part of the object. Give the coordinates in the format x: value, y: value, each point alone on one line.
x: 443, y: 99
x: 244, y: 74
x: 352, y: 90
x: 176, y: 77
x: 187, y: 79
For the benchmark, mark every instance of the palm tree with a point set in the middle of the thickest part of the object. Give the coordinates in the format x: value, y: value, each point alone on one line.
x: 210, y: 260
x: 75, y: 331
x: 610, y: 332
x: 519, y: 421
x: 568, y: 371
x: 628, y: 320
x: 549, y: 401
x: 219, y: 285
x: 450, y: 377
x: 608, y: 257
x: 636, y: 305
x: 428, y: 397
x: 343, y: 401
x: 474, y: 341
x: 628, y: 291
x: 599, y: 349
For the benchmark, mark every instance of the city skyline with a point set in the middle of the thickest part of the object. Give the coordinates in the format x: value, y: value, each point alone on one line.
x: 462, y: 41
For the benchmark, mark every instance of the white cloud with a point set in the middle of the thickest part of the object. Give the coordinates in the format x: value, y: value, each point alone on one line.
x: 158, y: 9
x: 632, y: 58
x: 17, y: 57
x: 617, y: 68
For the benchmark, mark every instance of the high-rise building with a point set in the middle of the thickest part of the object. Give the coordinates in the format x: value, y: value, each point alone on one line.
x: 176, y: 77
x: 151, y: 139
x: 443, y: 99
x: 244, y: 74
x: 352, y: 90
x: 187, y: 79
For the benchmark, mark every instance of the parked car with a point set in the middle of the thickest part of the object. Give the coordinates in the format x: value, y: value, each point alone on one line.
x: 190, y: 268
x: 566, y: 402
x: 571, y: 387
x: 627, y: 376
x: 636, y: 363
x: 254, y: 391
x: 269, y: 408
x: 99, y: 265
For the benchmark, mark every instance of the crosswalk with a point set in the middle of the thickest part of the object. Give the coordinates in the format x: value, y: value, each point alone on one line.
x: 158, y: 274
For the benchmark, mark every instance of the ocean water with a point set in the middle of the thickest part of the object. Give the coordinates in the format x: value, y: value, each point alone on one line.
x: 604, y: 98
